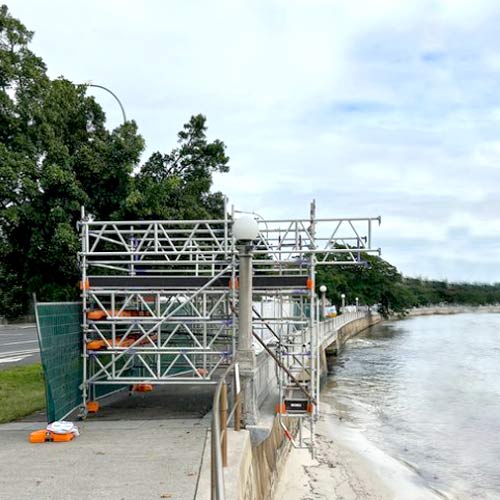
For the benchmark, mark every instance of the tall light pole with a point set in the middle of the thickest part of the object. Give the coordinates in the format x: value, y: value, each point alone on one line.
x: 245, y: 230
x: 357, y: 304
x: 342, y: 296
x: 90, y: 84
x: 322, y: 290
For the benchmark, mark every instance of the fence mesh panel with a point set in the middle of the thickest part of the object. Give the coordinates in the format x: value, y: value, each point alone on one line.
x: 60, y: 338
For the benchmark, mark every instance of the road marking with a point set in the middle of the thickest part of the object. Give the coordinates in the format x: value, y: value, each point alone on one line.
x: 14, y: 359
x: 20, y: 327
x: 16, y: 334
x: 19, y: 353
x: 12, y: 332
x: 21, y: 342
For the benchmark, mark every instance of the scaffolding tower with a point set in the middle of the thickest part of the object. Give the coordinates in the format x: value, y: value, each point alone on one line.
x: 160, y: 301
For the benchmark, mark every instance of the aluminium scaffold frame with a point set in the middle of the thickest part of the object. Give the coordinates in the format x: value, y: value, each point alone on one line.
x: 160, y: 300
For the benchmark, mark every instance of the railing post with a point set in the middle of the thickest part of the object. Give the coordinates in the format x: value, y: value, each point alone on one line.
x: 223, y: 421
x: 237, y: 410
x: 213, y: 481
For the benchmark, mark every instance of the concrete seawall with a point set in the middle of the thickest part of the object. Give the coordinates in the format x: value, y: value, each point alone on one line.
x: 257, y: 456
x: 329, y: 352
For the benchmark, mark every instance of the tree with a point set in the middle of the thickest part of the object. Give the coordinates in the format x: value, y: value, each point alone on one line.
x: 375, y: 282
x: 55, y: 155
x: 177, y: 185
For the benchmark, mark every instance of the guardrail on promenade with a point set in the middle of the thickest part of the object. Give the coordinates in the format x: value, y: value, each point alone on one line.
x: 220, y: 420
x: 328, y: 326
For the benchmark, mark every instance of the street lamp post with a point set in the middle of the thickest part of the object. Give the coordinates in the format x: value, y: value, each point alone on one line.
x: 322, y: 290
x: 102, y: 87
x: 245, y: 230
x: 342, y: 296
x: 357, y: 304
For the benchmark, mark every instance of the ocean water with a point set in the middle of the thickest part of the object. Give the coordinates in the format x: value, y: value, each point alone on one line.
x: 426, y: 391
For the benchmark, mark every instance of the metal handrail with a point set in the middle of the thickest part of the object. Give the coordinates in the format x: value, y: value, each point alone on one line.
x: 219, y: 437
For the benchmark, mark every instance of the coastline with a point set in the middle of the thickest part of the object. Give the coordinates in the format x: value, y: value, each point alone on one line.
x: 437, y: 310
x: 348, y: 467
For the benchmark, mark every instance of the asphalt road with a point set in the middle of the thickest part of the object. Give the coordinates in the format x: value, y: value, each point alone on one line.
x: 18, y: 346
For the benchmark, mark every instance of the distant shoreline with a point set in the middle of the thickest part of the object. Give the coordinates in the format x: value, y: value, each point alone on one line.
x: 458, y: 309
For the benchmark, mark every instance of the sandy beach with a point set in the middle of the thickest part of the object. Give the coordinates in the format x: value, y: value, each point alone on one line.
x: 347, y: 467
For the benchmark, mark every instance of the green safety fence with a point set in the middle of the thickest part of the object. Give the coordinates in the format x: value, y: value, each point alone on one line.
x: 60, y: 339
x: 61, y: 346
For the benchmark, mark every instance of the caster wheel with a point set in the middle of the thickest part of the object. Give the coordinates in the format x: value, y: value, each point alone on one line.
x: 82, y: 414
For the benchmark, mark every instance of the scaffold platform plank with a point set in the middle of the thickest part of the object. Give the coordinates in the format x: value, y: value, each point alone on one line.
x: 183, y: 282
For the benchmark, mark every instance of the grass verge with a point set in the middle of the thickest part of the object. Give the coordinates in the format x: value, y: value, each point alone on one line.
x: 22, y: 391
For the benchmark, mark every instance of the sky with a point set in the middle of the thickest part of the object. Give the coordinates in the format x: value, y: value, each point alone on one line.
x: 387, y: 107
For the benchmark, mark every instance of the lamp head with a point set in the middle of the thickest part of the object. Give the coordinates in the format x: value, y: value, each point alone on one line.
x: 323, y: 288
x: 245, y: 228
x: 342, y: 295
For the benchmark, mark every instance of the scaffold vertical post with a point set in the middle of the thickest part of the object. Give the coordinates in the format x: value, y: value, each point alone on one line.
x: 83, y: 287
x: 223, y: 420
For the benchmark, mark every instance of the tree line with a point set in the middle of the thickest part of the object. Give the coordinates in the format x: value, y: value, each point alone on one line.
x: 378, y: 282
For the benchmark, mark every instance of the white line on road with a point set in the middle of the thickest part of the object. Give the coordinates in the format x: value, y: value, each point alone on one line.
x: 14, y: 334
x: 21, y: 342
x: 19, y: 353
x: 12, y: 328
x: 14, y: 359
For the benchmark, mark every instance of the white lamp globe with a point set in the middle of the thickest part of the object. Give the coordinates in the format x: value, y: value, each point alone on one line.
x: 322, y: 288
x: 245, y: 228
x: 342, y: 295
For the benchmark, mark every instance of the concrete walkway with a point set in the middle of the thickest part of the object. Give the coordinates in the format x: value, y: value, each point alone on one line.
x: 146, y: 446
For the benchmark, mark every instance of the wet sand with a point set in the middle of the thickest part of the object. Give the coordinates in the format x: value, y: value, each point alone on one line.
x: 347, y: 467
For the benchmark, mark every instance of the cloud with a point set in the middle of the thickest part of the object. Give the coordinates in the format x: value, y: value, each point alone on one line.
x: 373, y: 108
